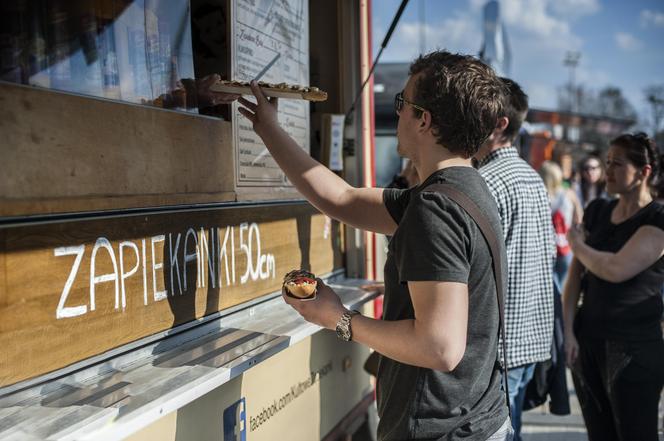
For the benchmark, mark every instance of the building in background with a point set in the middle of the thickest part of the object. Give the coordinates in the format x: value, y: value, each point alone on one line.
x: 566, y: 137
x: 495, y: 49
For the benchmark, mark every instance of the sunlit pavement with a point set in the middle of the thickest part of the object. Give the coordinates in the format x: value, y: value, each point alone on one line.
x: 540, y: 425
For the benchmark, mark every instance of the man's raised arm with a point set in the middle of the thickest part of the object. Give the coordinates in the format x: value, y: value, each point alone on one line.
x: 359, y: 207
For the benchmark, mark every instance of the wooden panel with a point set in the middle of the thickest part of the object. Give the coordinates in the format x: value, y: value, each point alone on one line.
x: 267, y: 193
x: 76, y: 289
x: 64, y: 153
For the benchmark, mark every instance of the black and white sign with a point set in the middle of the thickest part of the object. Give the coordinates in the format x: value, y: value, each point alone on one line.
x: 262, y: 29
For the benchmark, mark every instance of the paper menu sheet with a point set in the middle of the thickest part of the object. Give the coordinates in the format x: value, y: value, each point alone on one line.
x: 260, y: 30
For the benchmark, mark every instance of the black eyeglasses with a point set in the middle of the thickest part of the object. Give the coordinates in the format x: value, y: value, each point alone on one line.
x: 399, y: 102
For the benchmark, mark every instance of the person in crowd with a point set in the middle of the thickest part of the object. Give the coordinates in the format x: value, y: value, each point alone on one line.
x: 407, y: 178
x: 563, y: 216
x: 570, y: 184
x: 613, y: 342
x: 592, y: 182
x: 438, y: 375
x: 526, y: 220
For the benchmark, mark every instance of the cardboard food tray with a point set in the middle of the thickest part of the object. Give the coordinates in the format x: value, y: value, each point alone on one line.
x: 269, y: 91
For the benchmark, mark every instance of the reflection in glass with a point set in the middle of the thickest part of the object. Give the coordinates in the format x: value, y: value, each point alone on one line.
x: 388, y: 161
x: 135, y: 51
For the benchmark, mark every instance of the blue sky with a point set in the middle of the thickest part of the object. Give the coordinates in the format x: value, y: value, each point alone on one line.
x: 621, y: 41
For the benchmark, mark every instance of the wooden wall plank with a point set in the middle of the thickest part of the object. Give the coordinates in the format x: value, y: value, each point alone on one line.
x: 69, y: 153
x: 47, y: 323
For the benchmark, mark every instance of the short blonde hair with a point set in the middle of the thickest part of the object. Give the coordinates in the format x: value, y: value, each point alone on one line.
x: 552, y: 175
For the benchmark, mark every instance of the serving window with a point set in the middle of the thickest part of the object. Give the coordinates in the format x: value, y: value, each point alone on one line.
x: 133, y: 51
x: 157, y: 54
x: 126, y: 204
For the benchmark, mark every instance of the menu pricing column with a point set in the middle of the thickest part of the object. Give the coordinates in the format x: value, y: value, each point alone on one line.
x: 261, y: 30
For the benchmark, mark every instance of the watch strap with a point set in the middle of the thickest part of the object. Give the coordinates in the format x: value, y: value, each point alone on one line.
x: 344, y: 330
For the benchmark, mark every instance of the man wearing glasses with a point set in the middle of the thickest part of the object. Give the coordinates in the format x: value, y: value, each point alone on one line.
x: 438, y: 376
x: 399, y: 102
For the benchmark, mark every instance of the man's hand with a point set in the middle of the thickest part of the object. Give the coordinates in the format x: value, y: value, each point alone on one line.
x: 207, y: 98
x: 380, y: 287
x: 325, y: 310
x: 263, y: 114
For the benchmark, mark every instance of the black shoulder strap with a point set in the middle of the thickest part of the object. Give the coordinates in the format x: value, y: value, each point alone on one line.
x: 492, y: 240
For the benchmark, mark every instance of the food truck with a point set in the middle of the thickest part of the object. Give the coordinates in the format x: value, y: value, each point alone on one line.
x: 145, y: 230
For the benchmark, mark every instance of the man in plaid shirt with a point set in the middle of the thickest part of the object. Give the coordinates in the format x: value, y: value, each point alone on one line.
x: 529, y: 238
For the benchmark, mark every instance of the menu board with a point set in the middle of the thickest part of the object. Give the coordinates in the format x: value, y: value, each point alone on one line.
x: 261, y: 29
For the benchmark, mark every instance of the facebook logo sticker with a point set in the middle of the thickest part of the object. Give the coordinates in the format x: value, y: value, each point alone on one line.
x: 235, y: 422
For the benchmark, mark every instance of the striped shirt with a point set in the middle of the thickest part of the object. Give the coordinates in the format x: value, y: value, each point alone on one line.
x: 525, y: 214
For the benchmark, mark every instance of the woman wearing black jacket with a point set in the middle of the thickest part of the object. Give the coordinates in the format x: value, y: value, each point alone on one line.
x: 615, y: 346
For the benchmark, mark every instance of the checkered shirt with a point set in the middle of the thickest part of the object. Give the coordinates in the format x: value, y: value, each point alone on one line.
x: 525, y: 214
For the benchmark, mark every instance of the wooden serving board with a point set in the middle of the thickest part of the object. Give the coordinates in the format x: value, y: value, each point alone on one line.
x: 269, y: 91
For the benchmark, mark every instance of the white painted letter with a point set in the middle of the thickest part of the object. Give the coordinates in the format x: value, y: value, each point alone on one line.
x: 190, y: 257
x: 223, y: 253
x: 271, y: 265
x: 247, y: 250
x: 255, y: 269
x: 233, y: 254
x: 102, y: 242
x: 174, y: 262
x: 158, y: 295
x: 70, y: 311
x: 145, y: 275
x: 205, y: 255
x: 124, y: 275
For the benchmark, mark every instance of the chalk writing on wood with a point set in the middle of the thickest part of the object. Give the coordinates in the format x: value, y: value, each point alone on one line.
x: 211, y: 251
x: 78, y: 288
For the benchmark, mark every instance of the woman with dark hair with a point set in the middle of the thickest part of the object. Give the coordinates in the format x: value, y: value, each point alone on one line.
x: 591, y: 182
x: 614, y: 340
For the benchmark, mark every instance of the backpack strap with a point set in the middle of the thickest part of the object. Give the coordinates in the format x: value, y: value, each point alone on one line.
x: 492, y: 241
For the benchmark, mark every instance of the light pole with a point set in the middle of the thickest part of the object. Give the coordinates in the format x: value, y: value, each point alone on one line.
x: 572, y: 60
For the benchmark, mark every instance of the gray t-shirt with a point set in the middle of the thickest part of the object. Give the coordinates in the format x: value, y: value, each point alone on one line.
x: 436, y: 240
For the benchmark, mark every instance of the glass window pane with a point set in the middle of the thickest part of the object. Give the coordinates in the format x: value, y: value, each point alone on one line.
x: 135, y: 51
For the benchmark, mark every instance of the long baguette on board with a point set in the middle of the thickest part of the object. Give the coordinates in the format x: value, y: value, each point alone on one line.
x: 281, y: 90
